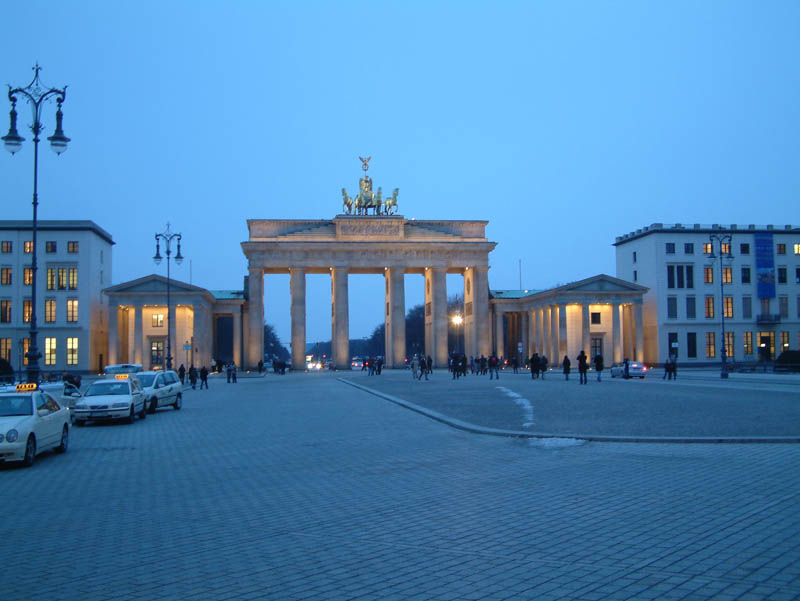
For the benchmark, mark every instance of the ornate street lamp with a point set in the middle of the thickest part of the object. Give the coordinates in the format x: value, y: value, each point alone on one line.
x: 722, y: 240
x: 36, y: 93
x: 168, y: 237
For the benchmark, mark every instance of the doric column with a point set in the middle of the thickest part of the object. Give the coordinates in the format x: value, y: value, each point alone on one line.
x: 563, y: 340
x: 297, y: 288
x: 499, y: 332
x: 585, y: 338
x: 524, y: 320
x: 340, y: 325
x: 395, y: 317
x: 627, y: 333
x: 113, y: 336
x: 138, y: 337
x: 616, y: 334
x: 480, y: 297
x: 553, y: 350
x: 637, y: 311
x: 468, y: 324
x: 539, y: 318
x: 545, y: 331
x: 436, y: 315
x: 531, y: 334
x: 237, y: 336
x: 255, y: 317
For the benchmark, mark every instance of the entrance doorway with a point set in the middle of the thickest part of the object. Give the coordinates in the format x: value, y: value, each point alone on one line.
x: 156, y: 353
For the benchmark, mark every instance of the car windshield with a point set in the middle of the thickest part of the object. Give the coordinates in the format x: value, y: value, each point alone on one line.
x: 103, y: 388
x: 146, y: 380
x: 15, y: 405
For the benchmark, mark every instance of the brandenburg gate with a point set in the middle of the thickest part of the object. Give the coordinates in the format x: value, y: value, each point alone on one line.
x: 378, y: 243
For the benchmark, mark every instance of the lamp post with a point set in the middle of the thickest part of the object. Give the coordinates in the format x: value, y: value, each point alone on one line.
x: 36, y: 93
x: 722, y: 240
x: 458, y: 320
x: 167, y: 236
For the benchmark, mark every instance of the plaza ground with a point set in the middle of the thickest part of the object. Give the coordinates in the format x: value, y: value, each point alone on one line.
x: 304, y: 487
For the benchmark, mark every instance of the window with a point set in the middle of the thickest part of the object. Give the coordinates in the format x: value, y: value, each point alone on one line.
x: 5, y: 311
x: 5, y: 349
x: 635, y: 275
x: 27, y: 247
x: 766, y: 346
x: 688, y: 248
x: 798, y: 306
x: 27, y: 276
x: 50, y: 310
x: 708, y: 275
x: 710, y: 306
x: 708, y: 248
x: 797, y: 275
x: 727, y: 306
x: 5, y: 276
x: 744, y: 249
x: 691, y: 307
x: 72, y: 351
x: 727, y: 275
x: 49, y: 351
x: 51, y: 278
x: 670, y: 276
x: 6, y: 247
x: 765, y: 309
x: 780, y: 249
x: 725, y: 248
x: 50, y: 246
x: 27, y: 309
x: 62, y: 278
x: 680, y: 276
x: 691, y: 345
x: 782, y: 275
x: 158, y: 320
x: 711, y: 349
x: 783, y: 307
x: 745, y: 275
x: 595, y: 318
x: 672, y: 307
x: 73, y: 278
x: 747, y: 307
x: 797, y: 249
x: 156, y: 353
x: 729, y: 347
x: 101, y: 257
x: 72, y: 247
x: 680, y: 273
x: 747, y: 339
x: 784, y: 341
x: 670, y: 248
x: 26, y: 343
x: 690, y: 276
x: 634, y: 256
x: 72, y: 310
x: 672, y: 344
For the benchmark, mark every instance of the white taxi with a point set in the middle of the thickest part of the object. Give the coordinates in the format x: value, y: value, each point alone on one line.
x: 161, y: 388
x: 31, y: 421
x: 118, y: 398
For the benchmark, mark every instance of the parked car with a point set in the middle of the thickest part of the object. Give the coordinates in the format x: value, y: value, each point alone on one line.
x: 635, y: 370
x: 123, y: 368
x: 31, y: 421
x: 119, y: 398
x: 161, y: 388
x: 66, y: 394
x: 356, y: 363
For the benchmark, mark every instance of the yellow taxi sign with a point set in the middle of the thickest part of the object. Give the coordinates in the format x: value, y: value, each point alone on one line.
x: 27, y: 386
x: 121, y: 377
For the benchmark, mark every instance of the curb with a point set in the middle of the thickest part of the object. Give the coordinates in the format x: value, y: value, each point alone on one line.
x: 472, y: 428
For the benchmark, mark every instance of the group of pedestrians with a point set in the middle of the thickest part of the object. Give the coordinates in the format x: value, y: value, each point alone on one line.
x: 583, y: 366
x: 421, y: 366
x: 193, y: 374
x: 671, y: 368
x: 538, y: 365
x: 373, y: 365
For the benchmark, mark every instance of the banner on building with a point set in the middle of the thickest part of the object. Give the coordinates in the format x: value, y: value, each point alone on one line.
x: 765, y: 265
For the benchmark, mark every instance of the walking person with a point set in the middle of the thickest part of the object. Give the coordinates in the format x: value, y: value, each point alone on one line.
x: 598, y: 365
x: 515, y: 364
x: 429, y: 364
x: 228, y: 373
x: 566, y: 364
x: 626, y: 369
x: 193, y: 376
x: 582, y: 366
x: 543, y: 365
x: 415, y: 367
x: 493, y: 371
x: 534, y: 366
x: 673, y: 367
x: 182, y: 374
x: 203, y: 377
x: 234, y: 370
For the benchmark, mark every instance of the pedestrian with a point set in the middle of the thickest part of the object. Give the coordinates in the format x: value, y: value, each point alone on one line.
x: 599, y: 365
x: 515, y: 364
x: 233, y: 371
x: 543, y: 365
x: 673, y: 367
x: 534, y: 366
x: 228, y: 372
x: 379, y: 365
x: 493, y: 366
x: 471, y: 365
x: 626, y: 369
x: 193, y: 376
x: 582, y: 366
x: 203, y: 377
x: 482, y: 362
x: 260, y: 365
x: 182, y: 374
x: 566, y: 364
x: 429, y: 364
x: 415, y: 366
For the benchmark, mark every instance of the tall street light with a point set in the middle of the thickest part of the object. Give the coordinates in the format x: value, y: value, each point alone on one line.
x: 457, y: 322
x: 36, y: 93
x: 724, y: 243
x: 168, y: 237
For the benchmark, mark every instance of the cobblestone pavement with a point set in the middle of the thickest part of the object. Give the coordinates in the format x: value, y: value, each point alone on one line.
x: 697, y: 405
x: 302, y: 487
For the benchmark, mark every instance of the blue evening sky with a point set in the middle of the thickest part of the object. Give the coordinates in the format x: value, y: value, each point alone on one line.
x: 563, y: 123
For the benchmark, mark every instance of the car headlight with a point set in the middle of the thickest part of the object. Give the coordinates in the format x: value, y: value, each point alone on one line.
x: 119, y: 405
x: 12, y: 435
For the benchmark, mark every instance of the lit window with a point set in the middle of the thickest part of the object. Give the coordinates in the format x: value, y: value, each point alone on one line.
x: 26, y: 343
x: 797, y: 249
x: 27, y: 276
x: 158, y: 320
x: 5, y: 276
x: 710, y: 306
x: 5, y: 311
x: 748, y: 342
x: 727, y: 306
x: 49, y: 351
x: 5, y: 349
x: 711, y: 350
x: 72, y: 246
x: 72, y: 351
x: 73, y: 278
x: 708, y: 248
x: 784, y: 341
x: 708, y: 275
x: 27, y: 246
x: 27, y: 309
x: 62, y: 278
x: 727, y: 275
x: 6, y: 247
x: 50, y: 246
x: 72, y: 310
x: 781, y: 249
x: 729, y: 346
x: 725, y: 248
x: 50, y: 310
x: 51, y: 278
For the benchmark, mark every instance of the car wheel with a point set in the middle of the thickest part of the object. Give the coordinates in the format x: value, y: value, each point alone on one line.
x: 143, y: 412
x: 131, y: 416
x: 178, y: 402
x: 80, y: 423
x: 62, y: 448
x: 153, y: 405
x: 30, y: 452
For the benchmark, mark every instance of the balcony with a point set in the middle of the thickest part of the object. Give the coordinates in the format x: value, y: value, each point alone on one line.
x: 768, y: 318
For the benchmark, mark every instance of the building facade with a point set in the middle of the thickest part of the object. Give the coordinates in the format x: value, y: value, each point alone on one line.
x: 751, y: 282
x: 73, y: 266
